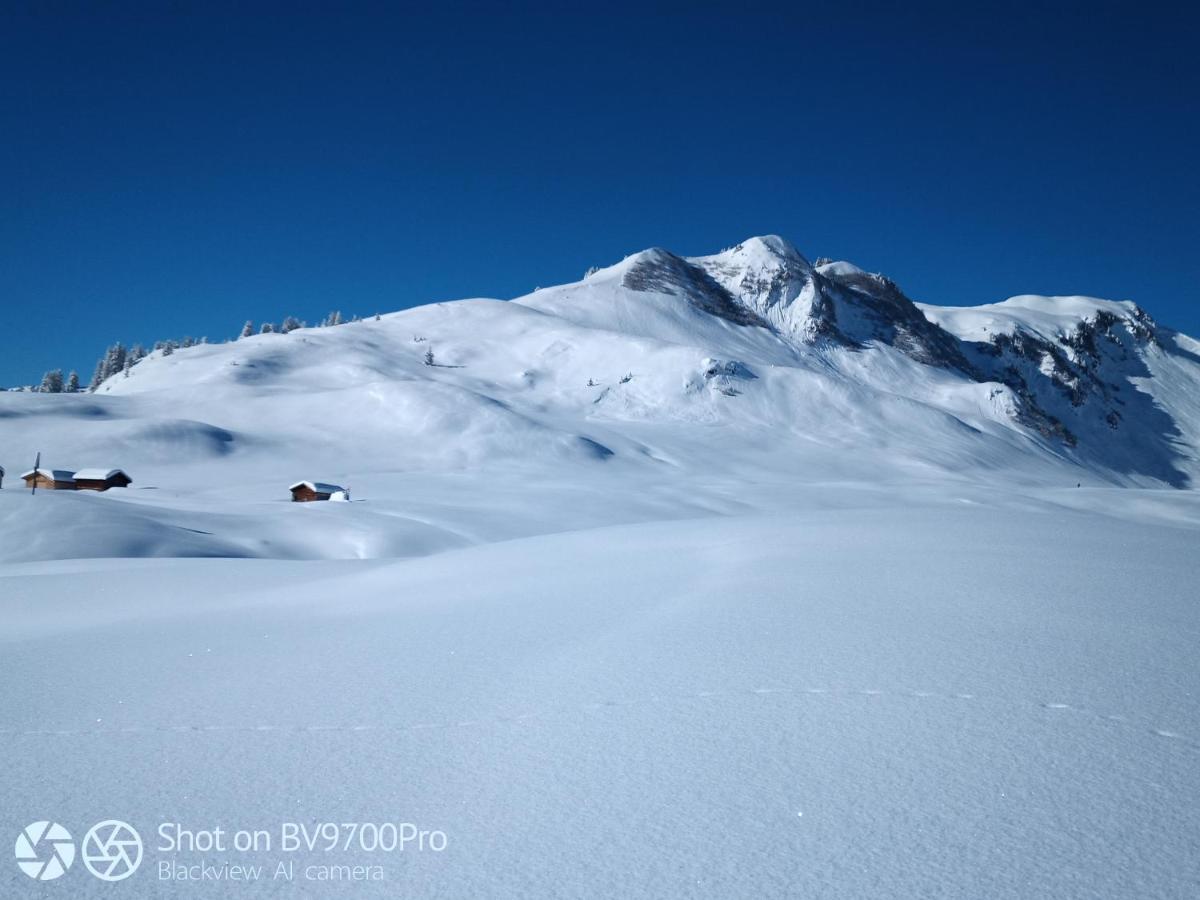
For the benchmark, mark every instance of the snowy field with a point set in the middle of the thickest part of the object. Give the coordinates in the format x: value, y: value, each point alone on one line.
x: 862, y: 703
x: 773, y: 616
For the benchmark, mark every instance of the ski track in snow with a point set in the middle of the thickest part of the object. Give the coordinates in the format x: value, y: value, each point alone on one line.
x: 610, y: 705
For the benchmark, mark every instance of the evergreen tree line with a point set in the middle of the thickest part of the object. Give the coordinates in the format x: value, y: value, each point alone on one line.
x: 119, y: 360
x: 291, y: 323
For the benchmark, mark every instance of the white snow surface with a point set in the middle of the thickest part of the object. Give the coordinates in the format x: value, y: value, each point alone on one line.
x: 1050, y: 317
x: 751, y: 614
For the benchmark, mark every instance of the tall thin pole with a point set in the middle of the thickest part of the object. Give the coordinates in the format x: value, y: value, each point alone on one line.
x: 36, y: 464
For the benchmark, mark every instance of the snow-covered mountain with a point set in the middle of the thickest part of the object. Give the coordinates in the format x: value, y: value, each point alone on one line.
x: 1098, y: 380
x: 1061, y: 367
x: 701, y: 577
x: 659, y: 387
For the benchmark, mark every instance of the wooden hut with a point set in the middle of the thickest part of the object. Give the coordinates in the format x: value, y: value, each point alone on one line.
x: 101, y: 479
x: 50, y: 479
x: 305, y: 491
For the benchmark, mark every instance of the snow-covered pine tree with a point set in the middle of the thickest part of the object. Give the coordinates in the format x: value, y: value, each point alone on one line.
x: 97, y: 375
x: 290, y: 323
x: 73, y: 382
x: 52, y: 382
x: 247, y: 329
x: 429, y: 357
x: 112, y: 362
x: 267, y: 328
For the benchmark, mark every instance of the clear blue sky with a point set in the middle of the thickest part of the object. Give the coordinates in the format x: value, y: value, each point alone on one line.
x: 174, y: 168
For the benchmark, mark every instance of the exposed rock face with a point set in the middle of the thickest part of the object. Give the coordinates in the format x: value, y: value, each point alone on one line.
x: 769, y: 276
x: 879, y: 311
x: 1085, y: 369
x: 1067, y: 370
x: 660, y: 271
x: 1064, y: 384
x: 836, y: 302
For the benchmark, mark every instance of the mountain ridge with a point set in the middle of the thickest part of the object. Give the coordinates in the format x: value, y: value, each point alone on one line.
x: 1072, y: 374
x: 1062, y: 359
x: 661, y: 387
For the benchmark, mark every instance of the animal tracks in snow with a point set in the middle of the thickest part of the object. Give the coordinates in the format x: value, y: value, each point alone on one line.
x: 595, y: 706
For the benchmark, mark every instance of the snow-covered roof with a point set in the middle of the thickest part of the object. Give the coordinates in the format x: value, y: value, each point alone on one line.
x: 98, y: 474
x: 321, y: 487
x: 52, y: 474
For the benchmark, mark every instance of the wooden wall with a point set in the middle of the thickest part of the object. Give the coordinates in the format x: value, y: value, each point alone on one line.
x: 305, y: 494
x: 45, y: 483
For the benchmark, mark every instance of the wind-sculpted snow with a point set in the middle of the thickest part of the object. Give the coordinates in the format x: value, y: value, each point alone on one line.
x: 902, y: 700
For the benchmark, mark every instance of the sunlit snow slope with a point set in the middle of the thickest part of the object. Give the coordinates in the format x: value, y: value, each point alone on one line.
x: 658, y: 388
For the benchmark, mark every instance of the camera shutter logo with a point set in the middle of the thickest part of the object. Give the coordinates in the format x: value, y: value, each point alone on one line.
x: 112, y: 850
x: 44, y: 850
